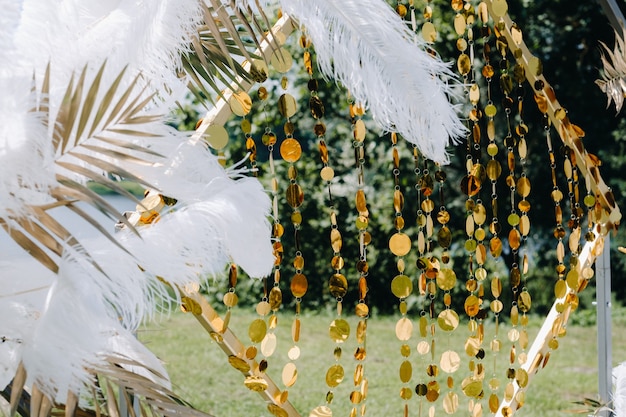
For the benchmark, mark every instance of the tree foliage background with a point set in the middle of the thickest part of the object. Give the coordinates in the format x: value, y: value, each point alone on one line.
x: 564, y: 35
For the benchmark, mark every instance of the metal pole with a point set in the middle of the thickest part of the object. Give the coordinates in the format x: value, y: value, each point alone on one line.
x: 603, y: 308
x: 613, y: 12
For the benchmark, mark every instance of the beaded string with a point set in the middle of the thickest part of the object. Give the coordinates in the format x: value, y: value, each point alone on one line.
x: 431, y: 266
x: 423, y: 345
x: 522, y: 222
x: 401, y: 285
x: 361, y: 383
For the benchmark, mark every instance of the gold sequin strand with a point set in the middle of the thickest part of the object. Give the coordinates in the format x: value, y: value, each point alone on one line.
x: 494, y: 172
x: 450, y: 360
x: 522, y: 222
x: 401, y: 284
x: 260, y: 338
x: 423, y: 345
x: 430, y: 388
x: 429, y: 30
x: 360, y: 380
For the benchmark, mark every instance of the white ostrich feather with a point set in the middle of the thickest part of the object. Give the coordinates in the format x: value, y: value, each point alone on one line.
x: 365, y: 46
x: 95, y: 302
x: 619, y: 390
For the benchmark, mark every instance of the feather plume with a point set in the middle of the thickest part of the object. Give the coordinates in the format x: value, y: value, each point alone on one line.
x: 81, y: 118
x: 619, y: 391
x: 365, y: 46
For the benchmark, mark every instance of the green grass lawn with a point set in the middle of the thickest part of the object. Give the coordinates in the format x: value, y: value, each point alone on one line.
x: 201, y: 374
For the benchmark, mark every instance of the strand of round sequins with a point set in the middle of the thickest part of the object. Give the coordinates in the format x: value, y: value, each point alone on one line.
x: 429, y: 30
x: 431, y: 266
x: 576, y: 213
x: 560, y: 287
x: 494, y: 171
x: 291, y: 151
x: 258, y: 329
x: 401, y: 285
x: 339, y: 329
x: 423, y: 345
x: 361, y: 383
x: 339, y: 284
x: 523, y: 187
x: 514, y: 237
x: 446, y: 280
x: 476, y: 212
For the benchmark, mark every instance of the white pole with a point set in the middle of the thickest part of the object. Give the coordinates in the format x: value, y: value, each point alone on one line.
x: 603, y: 308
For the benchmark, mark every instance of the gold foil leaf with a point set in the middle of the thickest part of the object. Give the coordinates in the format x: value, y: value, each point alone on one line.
x: 281, y: 60
x: 398, y: 200
x: 472, y: 305
x: 240, y: 103
x: 335, y: 240
x: 406, y: 371
x: 429, y: 32
x: 400, y: 244
x: 448, y: 320
x: 404, y: 329
x: 295, y: 195
x: 257, y: 330
x: 472, y: 388
x: 338, y: 285
x: 299, y: 285
x: 450, y: 361
x: 216, y: 136
x: 524, y: 301
x: 263, y: 308
x: 289, y: 374
x: 230, y: 299
x: 334, y: 376
x: 275, y: 298
x: 255, y: 383
x: 339, y: 330
x: 327, y: 173
x: 401, y: 286
x: 287, y: 105
x: 317, y: 107
x: 321, y: 411
x: 276, y: 410
x: 239, y: 364
x: 290, y: 150
x: 464, y: 64
x: 359, y: 130
x: 446, y: 279
x: 450, y: 402
x: 459, y: 24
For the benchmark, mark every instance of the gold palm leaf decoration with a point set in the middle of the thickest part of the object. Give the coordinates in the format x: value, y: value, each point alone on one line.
x: 226, y: 36
x: 90, y: 136
x: 613, y: 81
x: 119, y: 389
x: 102, y: 125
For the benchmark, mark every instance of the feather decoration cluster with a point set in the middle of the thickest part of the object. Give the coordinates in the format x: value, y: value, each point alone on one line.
x: 365, y: 46
x: 619, y: 390
x: 86, y: 85
x: 613, y: 80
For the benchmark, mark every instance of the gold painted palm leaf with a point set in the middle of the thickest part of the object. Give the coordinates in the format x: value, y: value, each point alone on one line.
x: 613, y: 81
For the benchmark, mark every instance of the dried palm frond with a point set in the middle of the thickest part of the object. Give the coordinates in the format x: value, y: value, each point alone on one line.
x: 613, y: 81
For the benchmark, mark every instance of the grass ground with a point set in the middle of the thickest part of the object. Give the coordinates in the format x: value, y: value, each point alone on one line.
x: 201, y: 374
